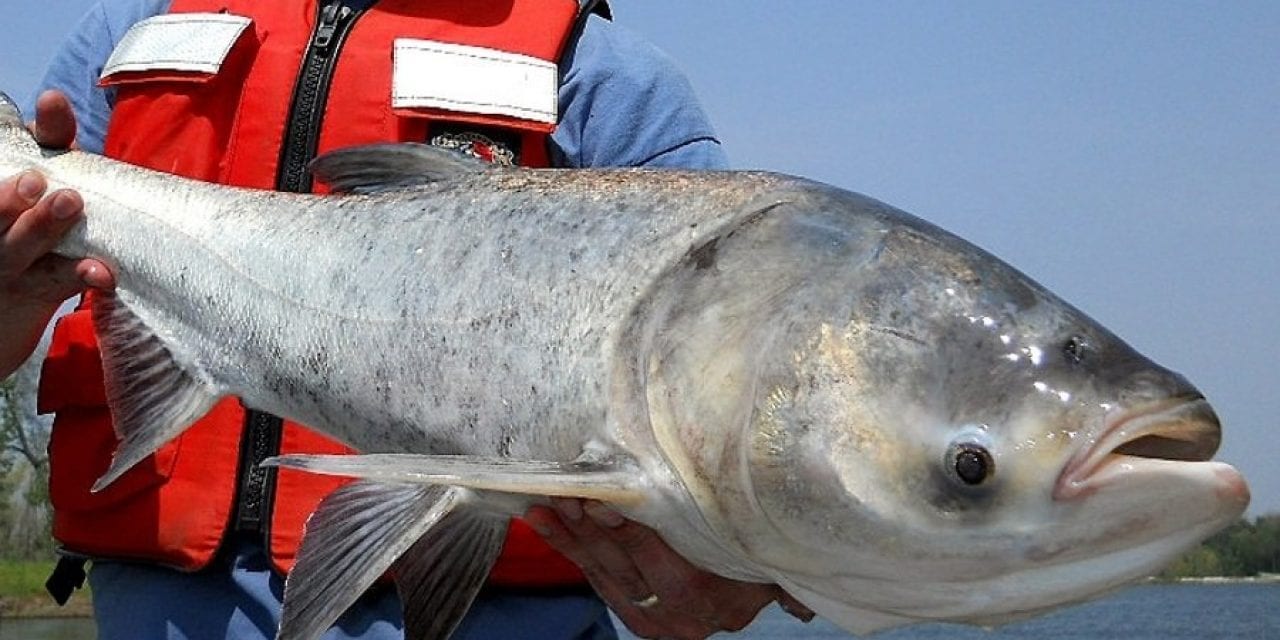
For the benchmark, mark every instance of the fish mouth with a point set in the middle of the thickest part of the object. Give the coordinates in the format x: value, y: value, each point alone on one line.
x: 1177, y: 430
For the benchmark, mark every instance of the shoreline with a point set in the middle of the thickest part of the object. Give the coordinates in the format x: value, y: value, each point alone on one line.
x: 1265, y: 578
x: 42, y: 607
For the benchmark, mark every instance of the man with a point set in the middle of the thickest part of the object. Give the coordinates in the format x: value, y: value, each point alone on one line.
x: 279, y: 84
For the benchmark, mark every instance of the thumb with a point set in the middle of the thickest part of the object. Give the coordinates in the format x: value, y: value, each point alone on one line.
x: 55, y: 125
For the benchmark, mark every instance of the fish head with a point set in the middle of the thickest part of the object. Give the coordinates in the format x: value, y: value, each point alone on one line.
x: 934, y: 436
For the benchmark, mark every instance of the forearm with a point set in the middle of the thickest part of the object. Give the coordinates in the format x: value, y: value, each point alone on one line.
x: 24, y: 324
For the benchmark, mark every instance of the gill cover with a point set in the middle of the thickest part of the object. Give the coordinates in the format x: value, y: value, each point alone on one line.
x: 720, y: 330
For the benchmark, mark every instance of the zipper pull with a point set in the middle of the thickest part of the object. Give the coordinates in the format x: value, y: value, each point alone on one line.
x: 330, y: 17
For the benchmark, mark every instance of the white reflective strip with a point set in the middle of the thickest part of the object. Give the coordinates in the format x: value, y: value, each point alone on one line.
x: 177, y: 42
x: 455, y: 77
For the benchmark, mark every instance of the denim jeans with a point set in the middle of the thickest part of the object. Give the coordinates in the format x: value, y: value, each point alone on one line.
x: 238, y: 598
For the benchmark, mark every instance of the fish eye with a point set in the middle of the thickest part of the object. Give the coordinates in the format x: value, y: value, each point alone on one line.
x: 1074, y: 349
x: 972, y: 463
x: 965, y: 479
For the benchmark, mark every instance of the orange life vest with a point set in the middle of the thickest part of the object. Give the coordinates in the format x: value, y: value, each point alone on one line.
x: 229, y: 126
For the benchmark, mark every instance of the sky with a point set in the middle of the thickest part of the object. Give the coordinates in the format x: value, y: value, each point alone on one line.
x: 1124, y: 154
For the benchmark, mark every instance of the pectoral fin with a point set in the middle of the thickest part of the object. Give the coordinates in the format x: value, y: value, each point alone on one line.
x: 613, y: 484
x: 440, y: 575
x: 441, y: 552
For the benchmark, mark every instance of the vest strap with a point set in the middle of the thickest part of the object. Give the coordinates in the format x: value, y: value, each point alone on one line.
x: 68, y: 575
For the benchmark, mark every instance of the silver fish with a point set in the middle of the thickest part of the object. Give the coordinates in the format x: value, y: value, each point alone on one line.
x: 791, y: 383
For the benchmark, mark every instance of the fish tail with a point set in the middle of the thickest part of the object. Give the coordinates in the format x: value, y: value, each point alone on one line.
x: 9, y: 113
x: 13, y: 131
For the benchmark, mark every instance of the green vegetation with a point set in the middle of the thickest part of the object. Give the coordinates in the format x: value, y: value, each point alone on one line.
x: 23, y: 578
x: 1244, y: 549
x: 22, y: 592
x: 26, y: 546
x: 24, y: 477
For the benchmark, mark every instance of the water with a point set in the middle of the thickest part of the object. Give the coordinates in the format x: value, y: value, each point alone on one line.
x: 1149, y: 612
x: 47, y: 629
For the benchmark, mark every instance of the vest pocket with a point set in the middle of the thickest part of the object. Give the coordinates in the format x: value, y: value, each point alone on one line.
x: 190, y: 47
x: 82, y: 440
x: 444, y: 77
x: 178, y: 80
x: 80, y: 448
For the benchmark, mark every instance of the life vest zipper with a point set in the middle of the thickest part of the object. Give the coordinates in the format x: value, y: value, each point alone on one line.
x: 255, y: 497
x: 311, y: 94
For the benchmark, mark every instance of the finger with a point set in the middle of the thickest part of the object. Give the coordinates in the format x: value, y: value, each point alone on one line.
x: 37, y: 231
x: 93, y: 273
x: 690, y: 603
x: 55, y: 125
x: 51, y: 279
x: 794, y: 607
x: 551, y: 525
x: 704, y: 597
x: 571, y: 536
x: 687, y: 605
x: 660, y: 567
x: 595, y: 547
x: 18, y: 194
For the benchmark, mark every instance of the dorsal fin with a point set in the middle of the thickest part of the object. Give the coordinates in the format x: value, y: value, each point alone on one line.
x: 377, y: 168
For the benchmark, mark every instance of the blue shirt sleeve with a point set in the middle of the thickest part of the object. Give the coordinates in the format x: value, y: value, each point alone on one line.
x: 78, y: 63
x: 622, y: 101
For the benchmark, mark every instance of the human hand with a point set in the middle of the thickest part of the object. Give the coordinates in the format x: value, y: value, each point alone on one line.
x: 652, y: 589
x: 33, y: 282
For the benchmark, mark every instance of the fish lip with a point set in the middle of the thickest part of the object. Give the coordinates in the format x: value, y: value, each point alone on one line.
x: 1187, y: 427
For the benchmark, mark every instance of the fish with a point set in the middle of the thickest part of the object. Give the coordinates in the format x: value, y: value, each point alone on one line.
x: 790, y: 382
